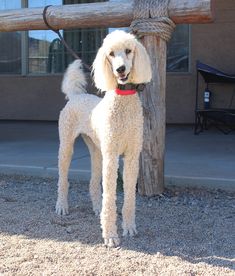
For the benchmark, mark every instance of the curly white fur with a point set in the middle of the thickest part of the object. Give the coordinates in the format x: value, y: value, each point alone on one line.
x: 111, y: 127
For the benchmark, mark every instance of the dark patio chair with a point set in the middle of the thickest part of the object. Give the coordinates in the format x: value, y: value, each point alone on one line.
x: 205, y: 114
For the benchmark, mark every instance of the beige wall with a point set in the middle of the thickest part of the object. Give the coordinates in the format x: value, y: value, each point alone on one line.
x: 39, y: 98
x: 30, y: 98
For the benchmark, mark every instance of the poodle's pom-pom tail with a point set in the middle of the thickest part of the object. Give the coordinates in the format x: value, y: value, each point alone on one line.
x: 74, y: 81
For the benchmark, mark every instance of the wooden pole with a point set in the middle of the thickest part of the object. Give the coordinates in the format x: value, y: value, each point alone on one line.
x: 151, y: 175
x: 102, y: 14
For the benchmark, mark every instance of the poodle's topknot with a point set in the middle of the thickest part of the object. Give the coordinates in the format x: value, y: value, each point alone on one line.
x: 118, y: 38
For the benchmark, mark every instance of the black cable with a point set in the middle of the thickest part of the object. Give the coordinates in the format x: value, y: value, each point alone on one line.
x: 57, y: 31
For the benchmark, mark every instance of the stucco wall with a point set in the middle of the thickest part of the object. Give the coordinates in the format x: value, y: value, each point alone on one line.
x: 213, y: 44
x: 30, y: 98
x: 39, y: 98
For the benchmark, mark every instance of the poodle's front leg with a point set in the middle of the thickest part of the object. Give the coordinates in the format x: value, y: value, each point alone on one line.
x: 130, y: 173
x: 108, y: 213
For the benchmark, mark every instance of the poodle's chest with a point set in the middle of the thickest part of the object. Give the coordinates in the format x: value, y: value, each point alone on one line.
x: 118, y: 118
x: 121, y: 118
x: 123, y: 112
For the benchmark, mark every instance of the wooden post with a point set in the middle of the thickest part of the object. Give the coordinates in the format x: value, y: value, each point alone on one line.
x: 151, y: 175
x: 116, y: 14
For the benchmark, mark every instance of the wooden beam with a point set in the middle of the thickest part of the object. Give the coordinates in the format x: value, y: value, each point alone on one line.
x: 102, y: 14
x: 192, y: 11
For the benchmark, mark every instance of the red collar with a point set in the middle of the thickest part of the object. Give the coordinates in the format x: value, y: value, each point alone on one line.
x: 124, y: 92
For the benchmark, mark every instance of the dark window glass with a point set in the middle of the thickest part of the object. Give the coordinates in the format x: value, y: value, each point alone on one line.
x: 41, y: 44
x: 178, y: 50
x: 10, y: 56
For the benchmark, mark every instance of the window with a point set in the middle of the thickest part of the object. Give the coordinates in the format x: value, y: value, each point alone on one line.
x: 178, y: 50
x: 44, y: 47
x: 46, y: 54
x: 10, y: 57
x: 41, y: 52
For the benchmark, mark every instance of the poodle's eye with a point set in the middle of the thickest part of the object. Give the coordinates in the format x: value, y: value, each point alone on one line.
x: 128, y: 51
x: 111, y: 54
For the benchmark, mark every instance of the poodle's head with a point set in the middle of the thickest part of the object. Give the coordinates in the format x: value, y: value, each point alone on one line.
x: 121, y: 59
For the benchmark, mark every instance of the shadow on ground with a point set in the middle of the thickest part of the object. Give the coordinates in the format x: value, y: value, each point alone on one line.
x: 195, y: 225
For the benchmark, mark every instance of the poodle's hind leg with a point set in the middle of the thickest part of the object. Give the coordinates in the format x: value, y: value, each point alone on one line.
x: 96, y: 174
x: 130, y: 173
x: 66, y: 127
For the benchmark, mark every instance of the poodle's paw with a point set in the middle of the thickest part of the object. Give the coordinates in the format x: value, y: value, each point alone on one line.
x: 96, y: 208
x: 62, y: 207
x: 129, y: 230
x: 112, y: 241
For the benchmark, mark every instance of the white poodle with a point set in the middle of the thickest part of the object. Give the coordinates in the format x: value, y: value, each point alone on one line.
x: 111, y: 127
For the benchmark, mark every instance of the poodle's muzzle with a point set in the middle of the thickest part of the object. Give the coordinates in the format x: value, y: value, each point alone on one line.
x: 121, y: 73
x: 121, y: 66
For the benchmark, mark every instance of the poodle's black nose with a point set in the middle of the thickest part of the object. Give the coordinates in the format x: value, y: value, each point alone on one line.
x: 121, y: 69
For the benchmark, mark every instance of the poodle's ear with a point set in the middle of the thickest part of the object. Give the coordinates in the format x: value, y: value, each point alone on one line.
x: 102, y: 72
x: 142, y: 72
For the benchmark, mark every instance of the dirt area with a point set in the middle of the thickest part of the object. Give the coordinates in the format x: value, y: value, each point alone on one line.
x: 182, y: 232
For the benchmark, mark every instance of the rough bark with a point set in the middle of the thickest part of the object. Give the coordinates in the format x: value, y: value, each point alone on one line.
x: 151, y: 175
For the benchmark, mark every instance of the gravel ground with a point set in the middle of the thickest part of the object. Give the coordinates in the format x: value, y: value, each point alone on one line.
x: 182, y: 232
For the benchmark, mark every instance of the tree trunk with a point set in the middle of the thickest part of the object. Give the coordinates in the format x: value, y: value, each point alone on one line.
x: 151, y: 176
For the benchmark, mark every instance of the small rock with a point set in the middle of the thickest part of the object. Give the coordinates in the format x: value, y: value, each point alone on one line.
x: 69, y: 230
x: 158, y: 255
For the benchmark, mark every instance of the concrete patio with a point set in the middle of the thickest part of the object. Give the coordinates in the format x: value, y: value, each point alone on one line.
x: 205, y: 160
